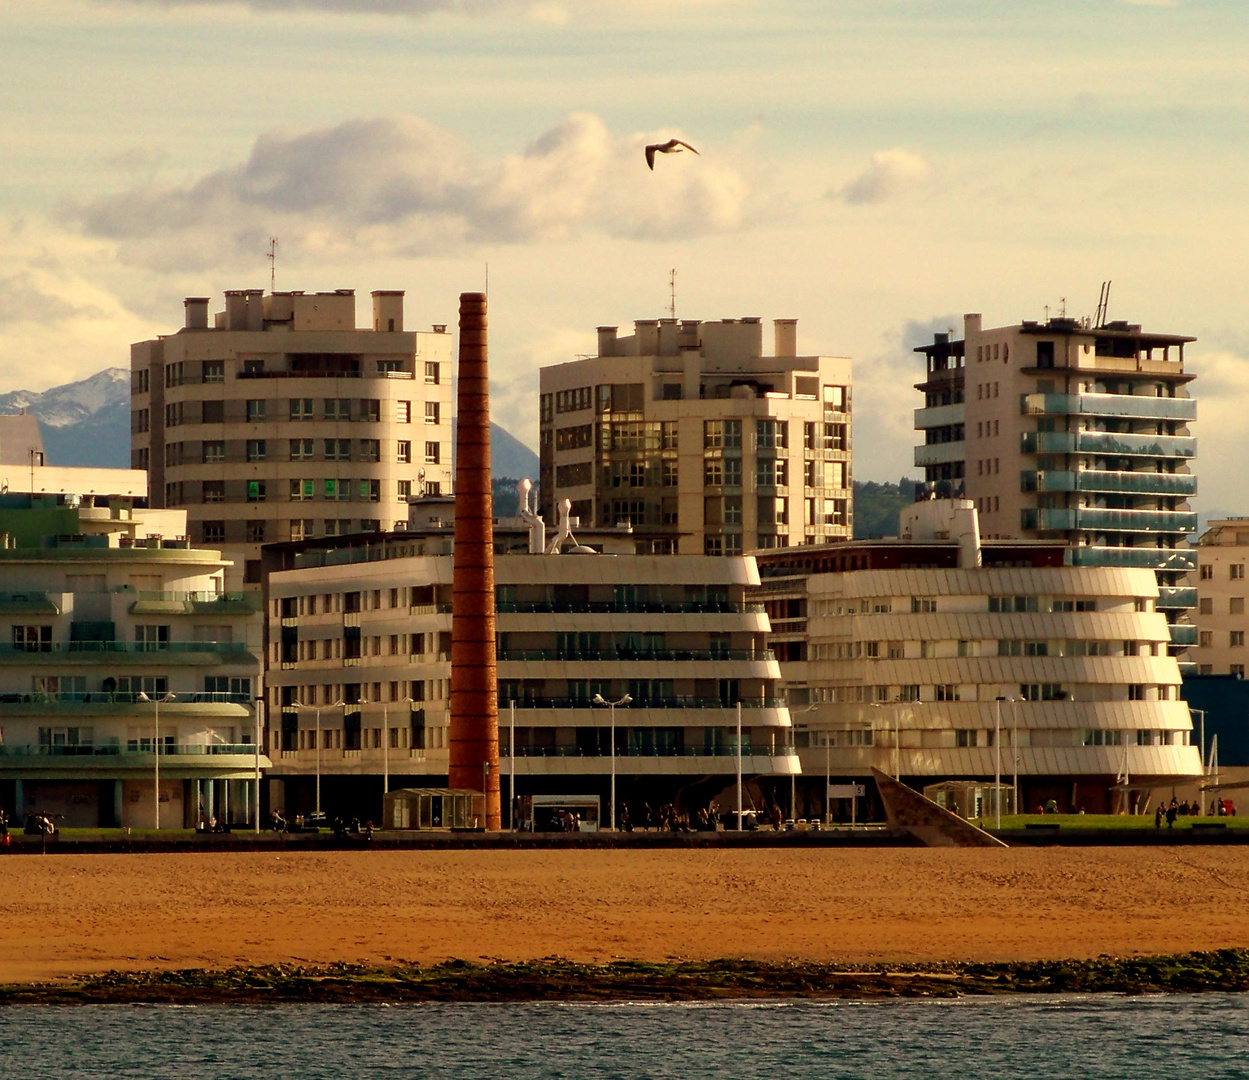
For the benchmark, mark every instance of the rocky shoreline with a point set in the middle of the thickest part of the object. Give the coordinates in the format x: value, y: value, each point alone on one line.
x: 558, y: 980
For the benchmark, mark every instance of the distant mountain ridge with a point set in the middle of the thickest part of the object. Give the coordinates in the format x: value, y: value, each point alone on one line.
x: 88, y: 423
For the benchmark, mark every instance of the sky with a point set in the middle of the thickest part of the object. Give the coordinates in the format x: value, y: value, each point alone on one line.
x: 873, y: 168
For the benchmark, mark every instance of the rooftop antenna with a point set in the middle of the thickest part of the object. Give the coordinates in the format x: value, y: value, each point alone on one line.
x: 1103, y: 306
x: 1062, y: 311
x: 273, y: 263
x: 672, y: 293
x: 487, y: 288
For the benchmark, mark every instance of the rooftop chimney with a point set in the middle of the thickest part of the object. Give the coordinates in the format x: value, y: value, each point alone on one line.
x: 196, y: 312
x: 785, y: 337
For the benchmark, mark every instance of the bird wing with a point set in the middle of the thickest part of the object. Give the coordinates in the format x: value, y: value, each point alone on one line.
x: 678, y: 142
x: 650, y: 157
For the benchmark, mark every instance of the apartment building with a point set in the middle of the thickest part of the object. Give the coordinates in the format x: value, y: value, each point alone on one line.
x: 281, y: 419
x: 1067, y: 430
x: 123, y: 658
x: 939, y: 657
x: 359, y: 666
x: 687, y: 432
x: 1219, y: 582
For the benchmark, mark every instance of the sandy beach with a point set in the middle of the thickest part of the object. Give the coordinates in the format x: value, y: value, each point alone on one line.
x: 89, y: 913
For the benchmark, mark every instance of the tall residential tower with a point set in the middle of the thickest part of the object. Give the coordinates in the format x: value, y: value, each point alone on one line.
x: 686, y: 431
x: 1065, y: 430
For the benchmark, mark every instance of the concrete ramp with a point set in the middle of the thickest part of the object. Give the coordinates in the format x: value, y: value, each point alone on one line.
x: 930, y: 824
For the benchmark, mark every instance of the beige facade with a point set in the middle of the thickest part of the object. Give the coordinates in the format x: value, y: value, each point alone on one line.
x: 368, y: 623
x: 102, y: 603
x: 698, y: 440
x: 917, y: 662
x: 1064, y: 430
x: 282, y: 420
x: 1220, y: 585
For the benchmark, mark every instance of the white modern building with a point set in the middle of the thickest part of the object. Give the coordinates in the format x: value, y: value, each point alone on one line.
x: 1220, y: 586
x: 280, y: 419
x: 936, y: 657
x: 127, y: 672
x: 359, y: 667
x: 689, y: 433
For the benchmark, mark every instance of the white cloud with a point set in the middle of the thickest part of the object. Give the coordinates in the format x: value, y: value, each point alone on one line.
x: 399, y: 184
x: 889, y: 174
x: 549, y: 12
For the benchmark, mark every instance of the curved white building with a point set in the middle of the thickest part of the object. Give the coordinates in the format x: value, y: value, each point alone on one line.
x: 918, y: 668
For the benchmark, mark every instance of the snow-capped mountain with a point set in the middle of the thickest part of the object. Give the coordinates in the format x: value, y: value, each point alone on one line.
x: 88, y: 423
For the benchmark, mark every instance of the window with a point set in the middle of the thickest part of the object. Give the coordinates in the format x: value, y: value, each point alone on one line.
x: 432, y: 372
x: 32, y: 638
x: 1236, y: 605
x: 433, y: 453
x: 337, y: 490
x: 370, y: 490
x: 214, y: 452
x: 256, y: 532
x: 337, y: 408
x: 405, y: 490
x: 370, y: 410
x: 1206, y: 572
x: 1236, y: 669
x: 433, y: 414
x: 947, y: 692
x: 966, y: 737
x: 213, y: 371
x: 403, y: 452
x: 1236, y: 571
x: 303, y: 490
x: 370, y: 450
x: 668, y: 473
x: 668, y: 435
x: 301, y: 408
x: 255, y: 449
x: 1205, y: 639
x: 1205, y: 605
x: 403, y: 412
x: 255, y: 411
x: 301, y: 449
x: 255, y: 491
x: 337, y: 449
x: 151, y: 638
x: 713, y: 472
x: 1236, y: 639
x: 214, y: 532
x: 213, y: 491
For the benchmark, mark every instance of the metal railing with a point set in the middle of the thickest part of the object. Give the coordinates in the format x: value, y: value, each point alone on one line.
x: 652, y: 703
x: 634, y: 654
x: 1127, y: 406
x: 43, y: 750
x: 721, y: 751
x: 611, y: 607
x: 231, y: 648
x: 102, y: 697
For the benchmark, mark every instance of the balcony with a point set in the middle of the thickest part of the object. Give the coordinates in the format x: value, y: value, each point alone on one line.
x: 940, y: 453
x: 939, y: 416
x: 87, y: 650
x: 27, y: 603
x: 1114, y: 443
x: 611, y: 607
x: 1126, y: 406
x: 722, y: 750
x: 652, y: 703
x: 112, y: 702
x: 1176, y: 597
x: 1173, y: 560
x: 1183, y: 634
x: 1179, y: 485
x: 632, y: 655
x: 195, y: 603
x: 1098, y: 519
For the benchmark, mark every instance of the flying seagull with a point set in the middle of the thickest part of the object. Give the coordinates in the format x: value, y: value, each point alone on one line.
x: 672, y: 146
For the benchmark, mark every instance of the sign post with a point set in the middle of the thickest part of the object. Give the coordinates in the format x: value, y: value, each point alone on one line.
x: 853, y: 792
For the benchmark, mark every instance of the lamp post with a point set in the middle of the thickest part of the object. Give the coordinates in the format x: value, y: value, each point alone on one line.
x: 598, y: 699
x: 155, y: 702
x: 257, y: 703
x: 997, y: 760
x: 1201, y: 787
x: 739, y: 766
x: 386, y: 743
x: 511, y: 765
x: 317, y: 710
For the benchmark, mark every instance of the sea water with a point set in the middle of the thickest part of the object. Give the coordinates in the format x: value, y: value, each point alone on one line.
x: 1166, y: 1036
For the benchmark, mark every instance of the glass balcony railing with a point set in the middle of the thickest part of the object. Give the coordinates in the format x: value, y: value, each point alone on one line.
x: 1175, y: 560
x: 1183, y: 634
x: 611, y: 607
x: 631, y: 655
x: 1115, y: 443
x: 652, y: 703
x: 115, y: 698
x: 43, y: 750
x: 228, y: 648
x: 1112, y: 482
x: 1107, y: 520
x: 1127, y: 406
x: 1176, y: 596
x: 719, y: 751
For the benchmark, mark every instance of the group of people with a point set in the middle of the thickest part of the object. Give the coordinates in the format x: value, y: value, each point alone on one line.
x: 667, y: 818
x: 1219, y: 807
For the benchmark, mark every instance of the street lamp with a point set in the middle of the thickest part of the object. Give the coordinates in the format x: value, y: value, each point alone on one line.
x: 258, y: 702
x: 155, y: 702
x: 1201, y: 787
x: 317, y: 710
x: 598, y: 699
x: 997, y: 756
x: 386, y: 743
